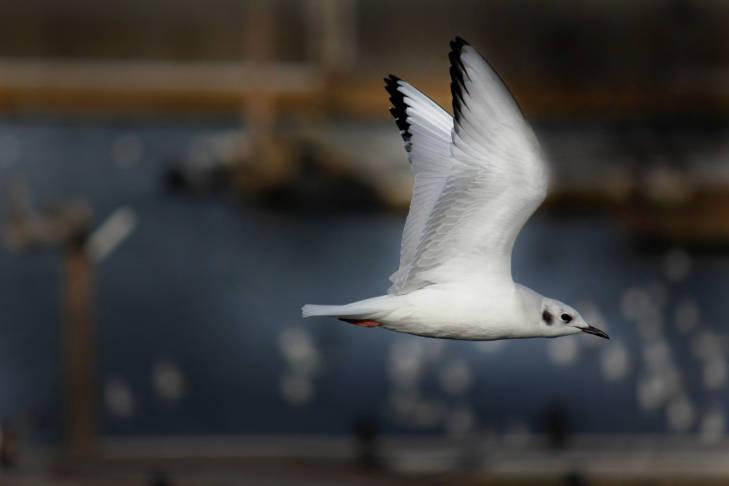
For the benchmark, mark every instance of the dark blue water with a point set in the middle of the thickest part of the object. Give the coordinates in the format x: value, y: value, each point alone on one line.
x: 211, y: 288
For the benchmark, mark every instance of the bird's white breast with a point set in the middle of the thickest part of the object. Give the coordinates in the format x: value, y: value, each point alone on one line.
x: 466, y: 310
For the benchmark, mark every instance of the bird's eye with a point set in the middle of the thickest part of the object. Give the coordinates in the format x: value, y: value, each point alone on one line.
x: 566, y: 317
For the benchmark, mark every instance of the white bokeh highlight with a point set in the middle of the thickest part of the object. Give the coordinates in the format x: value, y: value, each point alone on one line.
x: 303, y: 362
x: 169, y: 383
x: 118, y: 398
x: 615, y: 362
x: 563, y: 351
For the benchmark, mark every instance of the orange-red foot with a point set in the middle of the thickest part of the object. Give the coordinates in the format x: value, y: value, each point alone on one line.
x: 362, y: 323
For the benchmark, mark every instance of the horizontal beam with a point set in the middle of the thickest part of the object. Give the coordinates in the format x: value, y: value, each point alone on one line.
x: 80, y: 85
x: 159, y: 86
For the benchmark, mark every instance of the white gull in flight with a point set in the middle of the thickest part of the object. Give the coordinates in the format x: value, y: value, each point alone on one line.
x: 479, y: 176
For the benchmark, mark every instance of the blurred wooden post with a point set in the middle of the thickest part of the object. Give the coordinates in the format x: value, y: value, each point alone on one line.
x: 332, y: 29
x: 67, y: 228
x: 78, y: 340
x: 262, y: 165
x: 258, y: 30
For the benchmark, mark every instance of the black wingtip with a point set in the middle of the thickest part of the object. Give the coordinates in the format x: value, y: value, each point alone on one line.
x: 459, y: 74
x: 457, y: 71
x: 458, y: 42
x: 391, y: 85
x: 399, y: 108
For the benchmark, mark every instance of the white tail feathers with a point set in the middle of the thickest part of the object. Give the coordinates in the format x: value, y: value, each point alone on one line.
x: 363, y: 309
x: 310, y: 310
x: 349, y: 310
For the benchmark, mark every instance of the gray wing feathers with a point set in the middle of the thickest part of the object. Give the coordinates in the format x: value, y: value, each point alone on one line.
x: 481, y: 191
x: 426, y: 131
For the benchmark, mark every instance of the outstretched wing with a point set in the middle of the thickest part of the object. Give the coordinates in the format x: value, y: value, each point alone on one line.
x: 496, y: 179
x: 426, y: 130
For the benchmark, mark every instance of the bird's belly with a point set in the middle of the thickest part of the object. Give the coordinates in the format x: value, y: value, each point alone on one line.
x: 460, y: 316
x: 454, y: 330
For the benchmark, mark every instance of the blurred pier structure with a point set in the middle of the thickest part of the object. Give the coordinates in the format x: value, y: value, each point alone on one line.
x: 595, y: 60
x: 66, y: 228
x: 281, y: 65
x: 294, y: 71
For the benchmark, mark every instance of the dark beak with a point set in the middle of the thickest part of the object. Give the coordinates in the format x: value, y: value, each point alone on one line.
x: 595, y: 331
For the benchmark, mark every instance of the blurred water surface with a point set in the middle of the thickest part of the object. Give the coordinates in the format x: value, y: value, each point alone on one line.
x: 199, y: 328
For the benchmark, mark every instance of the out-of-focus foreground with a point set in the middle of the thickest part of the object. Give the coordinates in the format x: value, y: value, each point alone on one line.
x: 178, y: 178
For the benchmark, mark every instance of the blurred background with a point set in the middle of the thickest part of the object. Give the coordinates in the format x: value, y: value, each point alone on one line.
x: 178, y: 177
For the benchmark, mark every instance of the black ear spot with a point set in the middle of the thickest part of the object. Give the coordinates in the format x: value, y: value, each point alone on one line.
x: 566, y: 317
x: 547, y: 317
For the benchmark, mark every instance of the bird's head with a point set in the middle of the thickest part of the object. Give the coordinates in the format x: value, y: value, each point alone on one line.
x: 559, y: 319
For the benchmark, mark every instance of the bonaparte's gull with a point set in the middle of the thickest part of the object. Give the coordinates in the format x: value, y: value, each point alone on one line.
x: 479, y: 176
